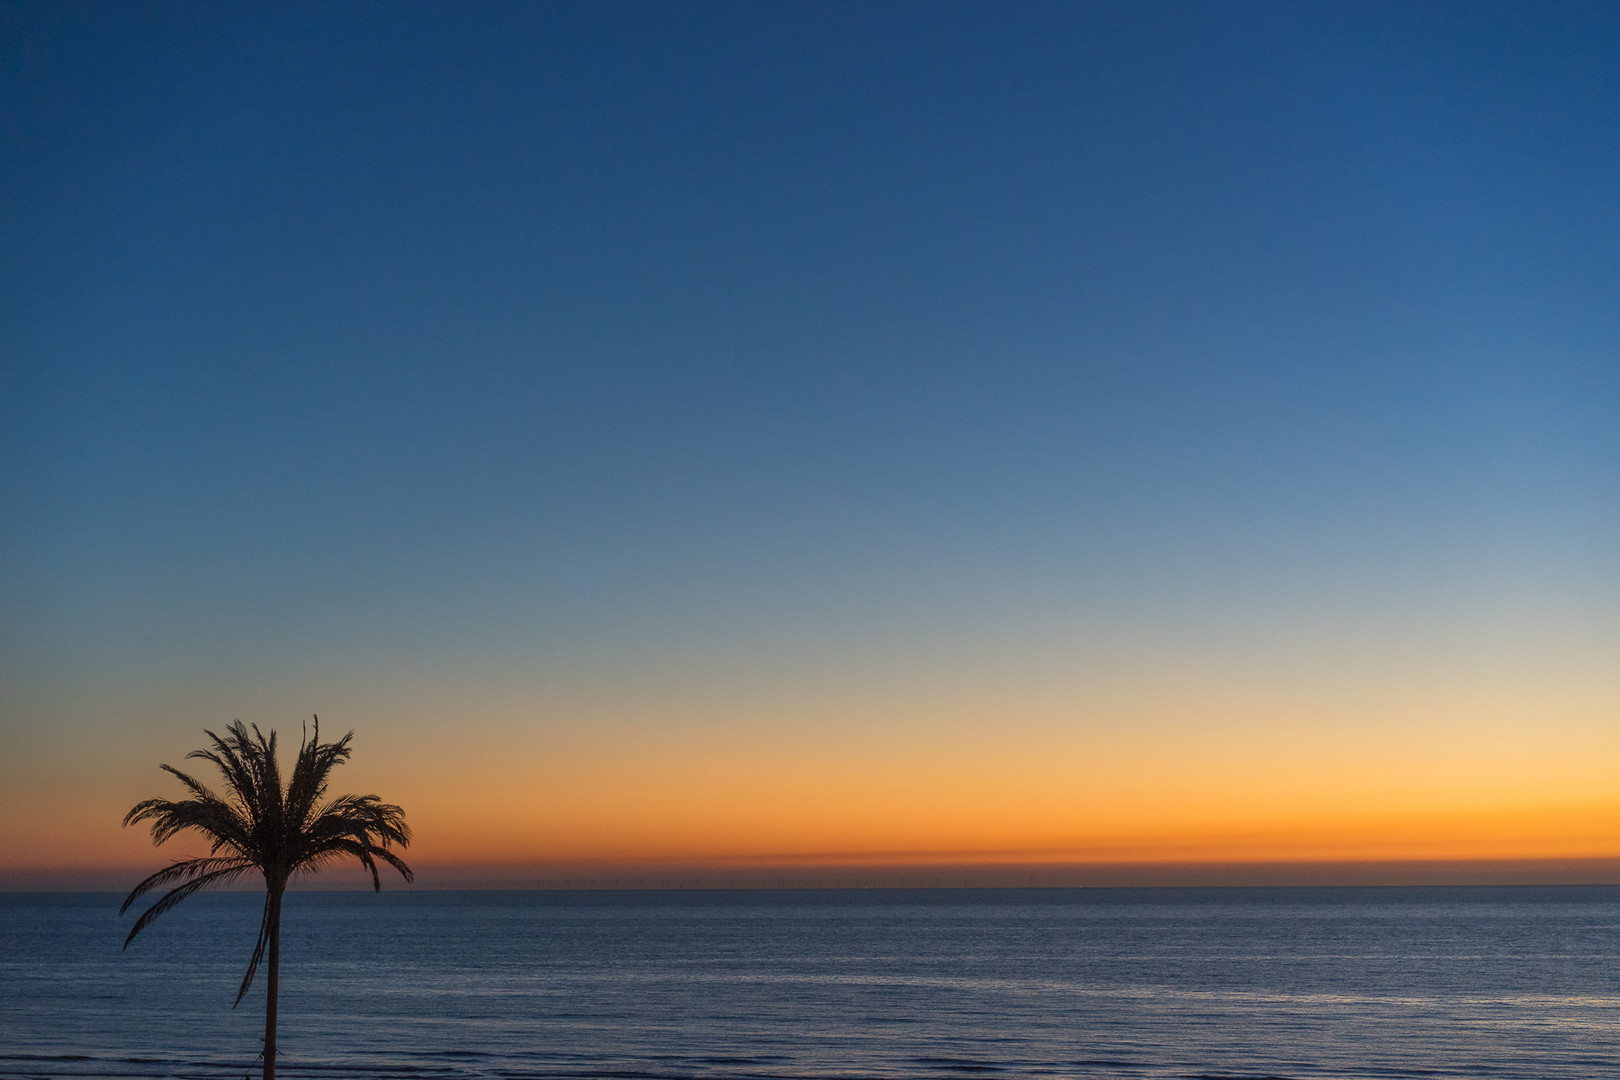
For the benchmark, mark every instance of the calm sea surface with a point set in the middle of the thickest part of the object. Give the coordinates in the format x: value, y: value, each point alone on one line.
x: 1473, y: 982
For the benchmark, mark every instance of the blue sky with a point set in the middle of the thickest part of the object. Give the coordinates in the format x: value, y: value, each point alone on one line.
x: 797, y: 345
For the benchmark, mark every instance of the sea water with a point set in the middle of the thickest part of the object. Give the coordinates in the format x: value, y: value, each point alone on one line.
x: 1377, y: 982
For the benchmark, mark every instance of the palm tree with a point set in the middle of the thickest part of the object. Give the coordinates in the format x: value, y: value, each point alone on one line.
x: 259, y: 826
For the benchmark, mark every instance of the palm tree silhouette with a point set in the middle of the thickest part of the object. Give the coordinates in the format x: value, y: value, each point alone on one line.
x: 259, y: 826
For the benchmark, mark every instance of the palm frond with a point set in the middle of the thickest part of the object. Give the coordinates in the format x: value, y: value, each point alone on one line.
x: 221, y: 822
x: 267, y: 774
x: 368, y: 854
x: 181, y: 869
x: 272, y: 905
x: 174, y: 896
x: 225, y: 758
x: 195, y: 786
x: 312, y: 771
x: 359, y: 825
x: 348, y: 813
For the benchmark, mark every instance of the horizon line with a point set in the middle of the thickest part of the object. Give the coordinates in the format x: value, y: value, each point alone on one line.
x: 629, y: 876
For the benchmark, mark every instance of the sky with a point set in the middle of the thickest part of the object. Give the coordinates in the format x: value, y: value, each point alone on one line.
x: 795, y: 435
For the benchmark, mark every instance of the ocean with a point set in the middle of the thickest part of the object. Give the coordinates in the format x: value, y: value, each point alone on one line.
x: 713, y: 985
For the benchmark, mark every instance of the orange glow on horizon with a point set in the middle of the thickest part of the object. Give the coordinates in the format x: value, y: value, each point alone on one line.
x: 1192, y: 777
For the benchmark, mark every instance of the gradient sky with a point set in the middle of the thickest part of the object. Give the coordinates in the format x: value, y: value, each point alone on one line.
x: 799, y: 432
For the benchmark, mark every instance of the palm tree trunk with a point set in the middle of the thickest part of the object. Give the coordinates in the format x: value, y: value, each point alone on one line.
x: 272, y: 978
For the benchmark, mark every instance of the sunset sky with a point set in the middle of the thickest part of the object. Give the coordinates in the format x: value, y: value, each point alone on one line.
x: 819, y: 434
